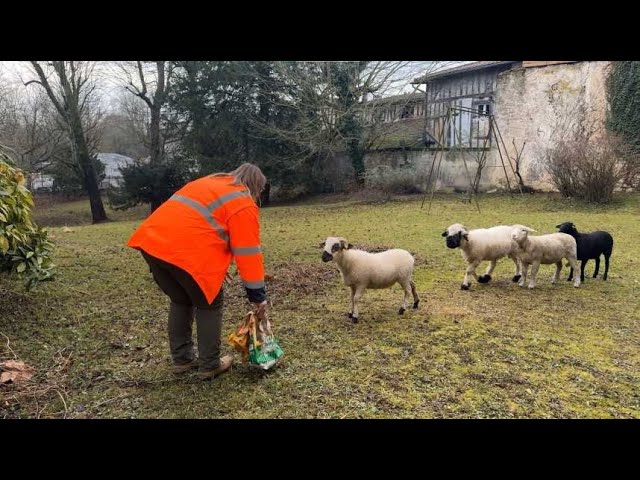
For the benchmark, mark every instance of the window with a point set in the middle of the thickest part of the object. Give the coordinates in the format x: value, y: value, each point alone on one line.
x: 484, y: 109
x: 460, y: 124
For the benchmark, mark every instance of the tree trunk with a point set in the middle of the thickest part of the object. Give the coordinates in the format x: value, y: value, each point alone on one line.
x: 357, y: 161
x: 356, y: 155
x: 98, y: 213
x: 520, y: 181
x: 154, y: 134
x: 156, y: 108
x: 90, y: 177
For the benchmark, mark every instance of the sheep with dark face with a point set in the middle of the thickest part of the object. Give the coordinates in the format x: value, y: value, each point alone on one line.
x: 590, y: 245
x: 479, y: 245
x: 543, y: 249
x: 361, y: 270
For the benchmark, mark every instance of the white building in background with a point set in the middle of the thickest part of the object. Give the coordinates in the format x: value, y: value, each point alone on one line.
x: 41, y: 182
x: 112, y: 164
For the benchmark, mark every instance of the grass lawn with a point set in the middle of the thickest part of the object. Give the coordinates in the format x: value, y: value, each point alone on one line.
x: 97, y: 335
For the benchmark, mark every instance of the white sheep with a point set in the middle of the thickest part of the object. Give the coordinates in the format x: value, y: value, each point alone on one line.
x: 361, y: 270
x: 479, y: 245
x: 545, y: 249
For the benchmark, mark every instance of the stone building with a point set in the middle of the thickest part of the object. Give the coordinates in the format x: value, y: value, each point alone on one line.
x: 528, y: 101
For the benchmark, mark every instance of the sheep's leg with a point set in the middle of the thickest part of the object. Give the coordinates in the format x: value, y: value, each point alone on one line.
x: 574, y: 266
x: 518, y: 274
x: 486, y: 278
x: 471, y: 270
x: 356, y: 298
x: 606, y: 265
x: 353, y: 292
x: 523, y: 278
x: 534, y: 274
x: 582, y: 265
x: 595, y: 273
x: 407, y: 291
x: 416, y: 299
x: 556, y: 276
x: 570, y: 275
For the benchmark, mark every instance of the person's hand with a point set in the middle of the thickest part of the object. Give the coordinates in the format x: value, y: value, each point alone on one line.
x: 260, y: 309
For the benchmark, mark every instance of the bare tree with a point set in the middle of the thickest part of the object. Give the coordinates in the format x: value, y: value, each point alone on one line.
x: 30, y: 131
x: 518, y: 162
x: 118, y: 136
x: 151, y: 83
x: 320, y: 104
x: 136, y: 118
x: 339, y: 105
x: 70, y: 88
x: 43, y: 138
x: 5, y: 101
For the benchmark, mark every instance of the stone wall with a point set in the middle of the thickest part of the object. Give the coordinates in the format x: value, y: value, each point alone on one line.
x: 537, y: 105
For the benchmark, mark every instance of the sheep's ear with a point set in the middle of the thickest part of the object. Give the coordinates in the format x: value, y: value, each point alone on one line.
x: 559, y: 225
x: 465, y: 236
x: 444, y: 234
x: 349, y: 246
x: 343, y: 245
x: 322, y: 244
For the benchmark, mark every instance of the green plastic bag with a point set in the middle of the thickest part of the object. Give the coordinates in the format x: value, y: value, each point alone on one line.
x: 264, y: 350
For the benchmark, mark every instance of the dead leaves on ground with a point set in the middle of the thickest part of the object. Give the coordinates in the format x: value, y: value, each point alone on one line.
x: 15, y: 371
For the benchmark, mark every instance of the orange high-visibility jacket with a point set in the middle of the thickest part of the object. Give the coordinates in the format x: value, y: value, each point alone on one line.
x: 201, y: 228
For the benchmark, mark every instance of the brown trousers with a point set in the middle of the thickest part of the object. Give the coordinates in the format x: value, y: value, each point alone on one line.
x: 186, y: 299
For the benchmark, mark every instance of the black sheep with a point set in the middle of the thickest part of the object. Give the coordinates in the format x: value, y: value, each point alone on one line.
x: 590, y: 245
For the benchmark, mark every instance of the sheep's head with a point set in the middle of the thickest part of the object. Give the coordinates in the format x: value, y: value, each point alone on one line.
x: 520, y: 232
x: 454, y: 235
x: 333, y: 246
x: 568, y: 227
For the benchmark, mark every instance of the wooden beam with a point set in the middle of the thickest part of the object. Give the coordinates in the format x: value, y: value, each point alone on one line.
x: 533, y: 64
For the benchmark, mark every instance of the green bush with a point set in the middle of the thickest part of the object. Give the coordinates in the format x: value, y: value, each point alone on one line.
x: 24, y: 248
x: 153, y: 184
